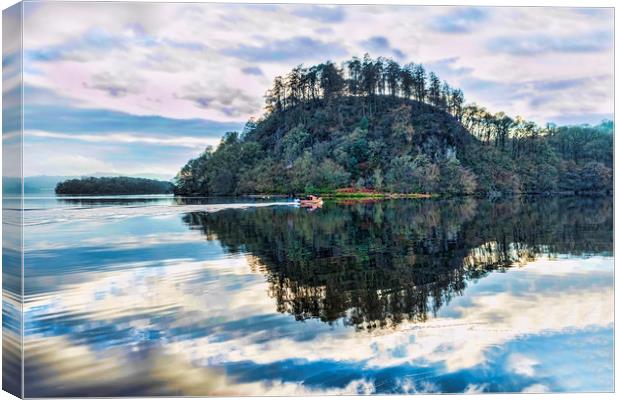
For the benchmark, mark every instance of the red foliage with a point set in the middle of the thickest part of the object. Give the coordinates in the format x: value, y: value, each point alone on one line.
x: 356, y: 190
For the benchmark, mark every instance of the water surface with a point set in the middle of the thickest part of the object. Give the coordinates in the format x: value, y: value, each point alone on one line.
x: 163, y: 296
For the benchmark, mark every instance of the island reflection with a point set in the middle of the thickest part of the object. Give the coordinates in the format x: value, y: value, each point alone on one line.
x: 377, y: 265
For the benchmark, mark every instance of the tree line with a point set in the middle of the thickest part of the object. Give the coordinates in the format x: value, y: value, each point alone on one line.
x: 113, y: 186
x: 367, y: 78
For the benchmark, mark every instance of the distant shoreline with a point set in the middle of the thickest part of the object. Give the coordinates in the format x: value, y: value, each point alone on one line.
x: 119, y: 185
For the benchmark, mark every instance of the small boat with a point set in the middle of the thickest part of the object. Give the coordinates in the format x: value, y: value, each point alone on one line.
x: 311, y: 201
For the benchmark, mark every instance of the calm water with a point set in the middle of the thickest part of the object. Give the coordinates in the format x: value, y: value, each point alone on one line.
x: 156, y: 296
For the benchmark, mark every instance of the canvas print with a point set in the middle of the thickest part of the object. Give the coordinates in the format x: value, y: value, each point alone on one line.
x: 220, y: 199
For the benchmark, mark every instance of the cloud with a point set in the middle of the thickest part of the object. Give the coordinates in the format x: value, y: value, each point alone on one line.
x: 531, y: 45
x: 376, y: 43
x: 116, y: 85
x: 141, y: 59
x: 381, y: 45
x: 34, y: 95
x: 521, y: 364
x: 171, y: 54
x: 475, y: 389
x: 126, y: 143
x: 252, y: 71
x: 324, y: 31
x: 562, y: 84
x: 321, y: 13
x: 449, y: 67
x: 536, y: 388
x: 50, y: 153
x: 192, y: 46
x: 595, y: 12
x: 112, y: 138
x: 293, y: 49
x: 461, y: 20
x: 572, y: 100
x: 66, y: 119
x: 80, y: 48
x: 227, y: 100
x: 65, y: 164
x: 96, y: 41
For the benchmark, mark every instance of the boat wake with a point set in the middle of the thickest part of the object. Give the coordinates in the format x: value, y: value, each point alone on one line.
x: 57, y: 215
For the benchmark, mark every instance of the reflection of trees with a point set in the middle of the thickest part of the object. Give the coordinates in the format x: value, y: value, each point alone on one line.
x: 375, y: 265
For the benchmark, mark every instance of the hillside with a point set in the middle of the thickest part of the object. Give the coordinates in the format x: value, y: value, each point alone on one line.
x: 325, y: 130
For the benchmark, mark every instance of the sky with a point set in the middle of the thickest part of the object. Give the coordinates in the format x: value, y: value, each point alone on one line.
x: 140, y: 88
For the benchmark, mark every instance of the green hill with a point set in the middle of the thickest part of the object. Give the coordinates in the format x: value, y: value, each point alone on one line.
x: 375, y: 124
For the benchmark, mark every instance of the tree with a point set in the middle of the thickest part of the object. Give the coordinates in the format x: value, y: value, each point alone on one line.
x: 410, y: 175
x: 456, y: 103
x: 329, y: 175
x: 393, y: 74
x: 295, y: 81
x: 594, y: 176
x: 455, y: 179
x: 275, y: 97
x: 434, y: 90
x: 331, y: 80
x: 503, y: 123
x: 355, y: 76
x: 294, y: 143
x: 446, y: 93
x: 312, y: 78
x: 407, y: 81
x: 419, y: 82
x: 401, y: 125
x: 380, y: 68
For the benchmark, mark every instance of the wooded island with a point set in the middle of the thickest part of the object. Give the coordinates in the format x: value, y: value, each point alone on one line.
x: 120, y: 185
x: 374, y: 124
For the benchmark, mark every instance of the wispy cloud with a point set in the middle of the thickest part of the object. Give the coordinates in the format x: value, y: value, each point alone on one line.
x: 321, y: 13
x: 78, y: 49
x: 252, y: 71
x: 97, y: 41
x: 116, y: 85
x: 112, y: 138
x: 461, y: 20
x: 67, y: 119
x: 228, y: 100
x: 294, y: 49
x: 450, y: 67
x: 381, y: 45
x: 531, y: 45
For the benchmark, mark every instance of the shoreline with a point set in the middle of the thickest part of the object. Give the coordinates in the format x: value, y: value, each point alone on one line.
x: 391, y: 196
x: 327, y: 195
